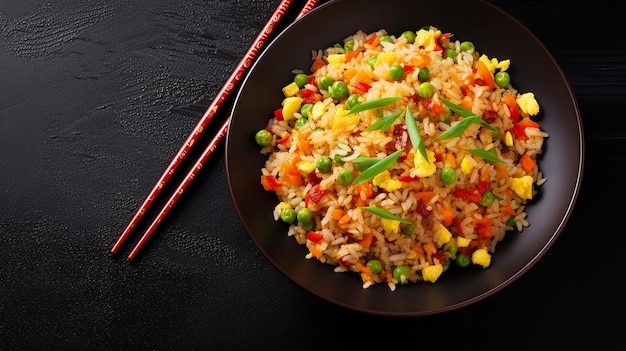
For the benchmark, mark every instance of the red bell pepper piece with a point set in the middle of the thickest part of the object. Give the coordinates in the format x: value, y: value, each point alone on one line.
x: 278, y: 114
x: 270, y: 183
x: 362, y: 86
x: 315, y: 237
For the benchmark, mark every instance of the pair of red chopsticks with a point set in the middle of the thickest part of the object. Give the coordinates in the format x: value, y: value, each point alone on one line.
x: 210, y: 113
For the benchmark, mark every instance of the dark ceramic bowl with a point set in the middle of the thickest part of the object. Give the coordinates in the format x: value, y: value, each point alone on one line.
x: 494, y: 33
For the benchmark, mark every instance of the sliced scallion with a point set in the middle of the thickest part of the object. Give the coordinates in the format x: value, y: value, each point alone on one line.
x: 372, y: 104
x: 414, y: 134
x: 384, y: 123
x: 377, y: 168
x: 384, y: 214
x: 486, y: 155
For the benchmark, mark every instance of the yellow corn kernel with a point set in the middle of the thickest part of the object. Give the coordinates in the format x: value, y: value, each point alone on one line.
x: 467, y: 166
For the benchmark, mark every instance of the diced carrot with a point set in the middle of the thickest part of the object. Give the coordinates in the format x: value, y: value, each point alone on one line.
x: 481, y: 221
x: 448, y: 216
x: 362, y: 76
x: 485, y: 174
x: 345, y: 219
x: 509, y: 100
x: 367, y: 240
x: 358, y: 202
x: 418, y: 249
x: 336, y: 214
x: 317, y: 64
x: 527, y: 163
x: 373, y: 40
x: 500, y: 171
x: 450, y: 160
x: 349, y: 74
x: 351, y: 54
x: 387, y: 276
x: 290, y: 174
x: 467, y: 102
x: 485, y: 74
x: 302, y: 142
x: 315, y: 251
x: 425, y: 195
x: 508, y: 210
x: 420, y: 60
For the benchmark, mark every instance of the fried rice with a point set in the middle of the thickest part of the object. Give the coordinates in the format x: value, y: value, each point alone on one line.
x: 419, y: 161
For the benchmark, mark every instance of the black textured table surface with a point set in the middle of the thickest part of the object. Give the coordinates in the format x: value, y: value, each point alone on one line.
x: 97, y: 97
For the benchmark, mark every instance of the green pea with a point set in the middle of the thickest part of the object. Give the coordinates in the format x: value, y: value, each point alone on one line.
x: 301, y: 80
x: 300, y: 122
x: 375, y: 266
x: 452, y: 248
x: 349, y: 45
x: 401, y: 274
x: 339, y: 90
x: 324, y: 164
x: 426, y: 90
x: 305, y: 110
x: 263, y: 137
x: 423, y: 74
x: 317, y: 129
x: 386, y: 38
x: 467, y: 46
x: 487, y: 198
x: 396, y: 72
x: 462, y: 260
x: 448, y: 175
x: 371, y: 61
x: 338, y: 160
x: 451, y: 53
x: 288, y: 215
x: 304, y: 215
x: 510, y: 222
x: 324, y: 82
x: 502, y: 79
x: 309, y: 226
x: 352, y: 101
x: 345, y: 177
x: 409, y: 36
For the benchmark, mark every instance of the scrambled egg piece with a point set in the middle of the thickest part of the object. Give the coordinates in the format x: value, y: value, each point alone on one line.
x: 528, y: 104
x: 467, y: 166
x: 388, y: 57
x: 508, y: 139
x: 384, y: 180
x: 523, y: 186
x: 291, y: 105
x: 318, y: 110
x: 282, y: 206
x: 431, y: 273
x: 493, y: 63
x: 422, y: 167
x: 425, y: 39
x: 336, y: 60
x: 291, y: 89
x: 306, y: 166
x: 462, y: 241
x: 343, y: 122
x: 390, y: 225
x: 442, y: 234
x: 481, y: 257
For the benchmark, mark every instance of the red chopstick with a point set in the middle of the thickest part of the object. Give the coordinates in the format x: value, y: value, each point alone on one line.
x: 197, y: 132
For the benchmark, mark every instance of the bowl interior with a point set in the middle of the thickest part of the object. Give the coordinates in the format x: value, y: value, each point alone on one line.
x: 494, y: 33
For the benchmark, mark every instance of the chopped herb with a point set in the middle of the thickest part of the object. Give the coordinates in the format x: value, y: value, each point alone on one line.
x: 377, y: 168
x: 372, y: 104
x: 414, y: 134
x: 384, y: 123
